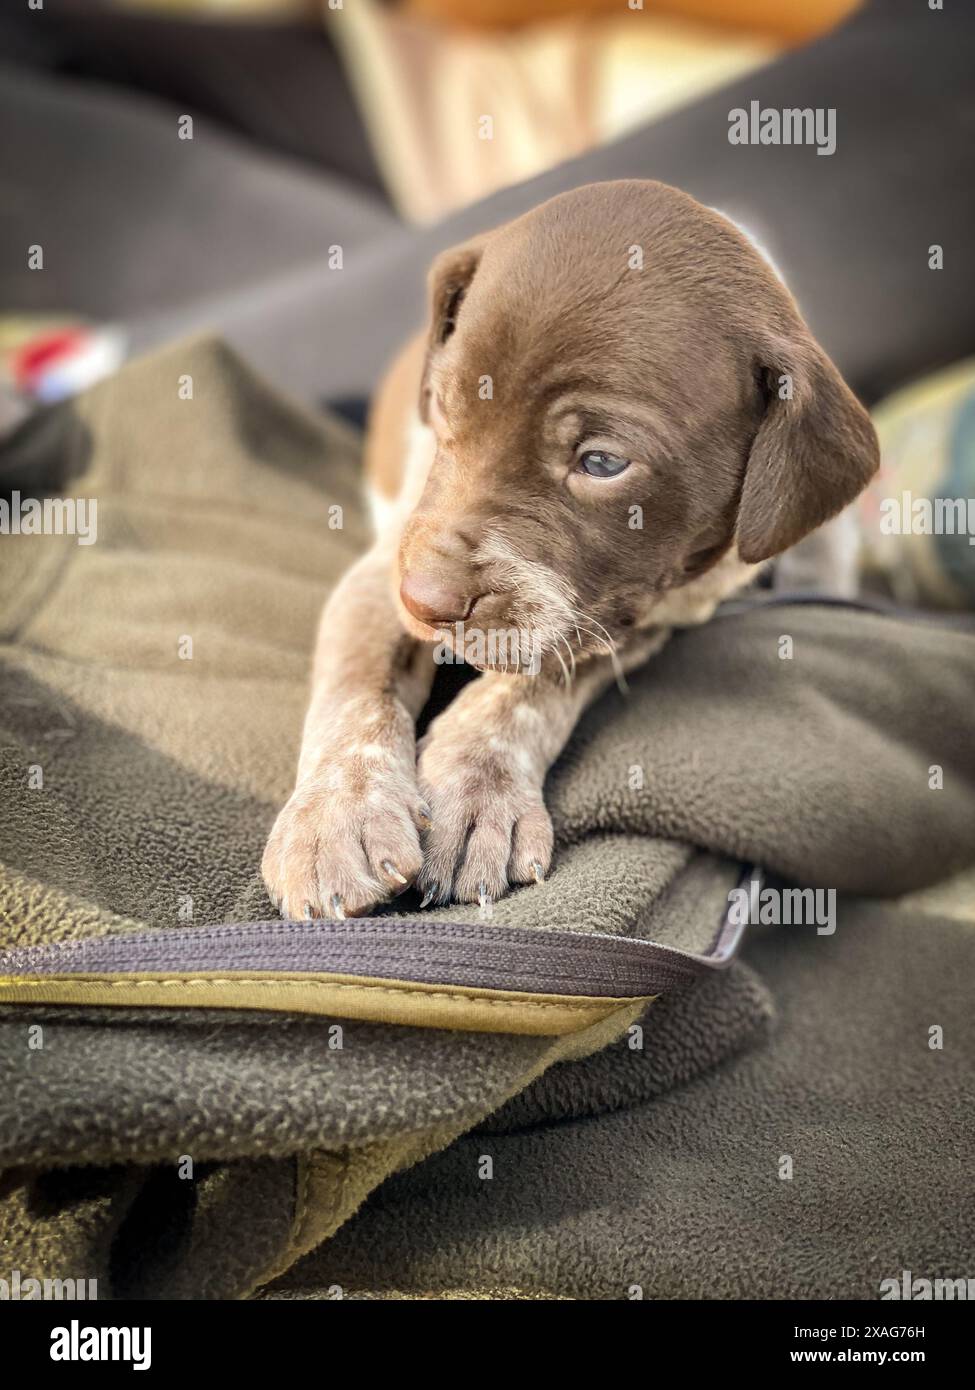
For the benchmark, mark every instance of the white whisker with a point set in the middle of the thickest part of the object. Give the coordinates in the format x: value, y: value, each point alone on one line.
x: 604, y: 638
x: 572, y: 656
x: 565, y: 673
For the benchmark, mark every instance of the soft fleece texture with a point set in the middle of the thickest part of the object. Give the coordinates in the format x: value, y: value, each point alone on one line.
x: 681, y: 1195
x: 162, y: 776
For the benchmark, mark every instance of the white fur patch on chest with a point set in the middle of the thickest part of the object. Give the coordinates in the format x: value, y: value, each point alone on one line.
x: 419, y: 448
x: 695, y: 602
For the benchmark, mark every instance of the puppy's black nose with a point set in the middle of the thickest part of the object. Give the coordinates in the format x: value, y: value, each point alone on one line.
x: 428, y: 599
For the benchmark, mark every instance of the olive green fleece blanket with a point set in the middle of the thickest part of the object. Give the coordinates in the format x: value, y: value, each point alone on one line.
x: 153, y: 685
x: 821, y: 1165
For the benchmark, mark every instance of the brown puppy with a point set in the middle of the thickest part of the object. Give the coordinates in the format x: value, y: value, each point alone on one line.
x: 615, y: 413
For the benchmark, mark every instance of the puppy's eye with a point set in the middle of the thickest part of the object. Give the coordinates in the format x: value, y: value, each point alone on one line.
x: 598, y: 464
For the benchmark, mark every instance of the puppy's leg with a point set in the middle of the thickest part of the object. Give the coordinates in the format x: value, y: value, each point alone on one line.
x: 482, y: 768
x: 348, y: 837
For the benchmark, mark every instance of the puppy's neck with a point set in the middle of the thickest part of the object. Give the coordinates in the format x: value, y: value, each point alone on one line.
x: 695, y: 602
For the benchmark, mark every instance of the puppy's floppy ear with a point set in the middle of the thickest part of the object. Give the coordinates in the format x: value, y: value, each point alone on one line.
x: 814, y: 451
x: 448, y: 281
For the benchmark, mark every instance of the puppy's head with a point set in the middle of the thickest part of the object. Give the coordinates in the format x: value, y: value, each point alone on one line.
x: 621, y: 391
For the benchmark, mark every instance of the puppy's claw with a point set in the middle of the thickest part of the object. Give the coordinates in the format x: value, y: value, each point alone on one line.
x: 338, y: 911
x: 538, y: 873
x: 391, y: 871
x: 308, y: 913
x: 424, y: 815
x: 429, y: 895
x: 483, y: 896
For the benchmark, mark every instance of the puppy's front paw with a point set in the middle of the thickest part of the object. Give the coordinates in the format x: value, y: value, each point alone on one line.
x: 348, y: 837
x: 490, y: 827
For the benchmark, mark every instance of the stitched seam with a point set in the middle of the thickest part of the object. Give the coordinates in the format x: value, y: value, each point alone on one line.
x: 565, y: 939
x: 666, y: 973
x: 554, y: 953
x: 551, y: 970
x: 318, y: 984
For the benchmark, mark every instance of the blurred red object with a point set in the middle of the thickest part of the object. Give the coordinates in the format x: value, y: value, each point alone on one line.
x: 29, y: 363
x: 55, y: 363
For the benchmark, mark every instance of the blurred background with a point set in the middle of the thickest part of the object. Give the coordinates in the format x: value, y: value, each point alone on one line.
x: 282, y: 172
x: 385, y: 93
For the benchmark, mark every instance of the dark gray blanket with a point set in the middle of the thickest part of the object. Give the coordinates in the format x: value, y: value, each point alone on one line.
x: 833, y: 1157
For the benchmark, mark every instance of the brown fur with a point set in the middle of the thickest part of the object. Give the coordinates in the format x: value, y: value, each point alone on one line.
x: 741, y: 436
